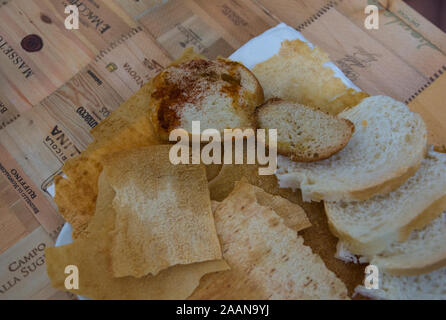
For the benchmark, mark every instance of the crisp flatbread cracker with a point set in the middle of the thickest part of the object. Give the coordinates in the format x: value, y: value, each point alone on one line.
x: 163, y: 213
x: 297, y: 73
x: 267, y: 259
x: 76, y: 194
x: 126, y: 128
x: 318, y: 236
x: 91, y: 256
x: 292, y: 214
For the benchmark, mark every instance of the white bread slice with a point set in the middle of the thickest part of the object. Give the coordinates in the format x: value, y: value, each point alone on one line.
x: 304, y: 134
x: 423, y: 252
x: 369, y: 227
x: 429, y: 286
x: 387, y: 148
x: 221, y: 94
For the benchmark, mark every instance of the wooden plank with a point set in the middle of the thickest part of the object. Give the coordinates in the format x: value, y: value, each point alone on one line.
x: 416, y: 21
x: 137, y: 9
x: 372, y: 67
x: 11, y: 230
x: 26, y: 78
x: 8, y: 113
x: 430, y: 103
x: 214, y: 28
x: 39, y: 144
x: 296, y: 13
x: 101, y: 21
x: 176, y: 27
x: 81, y: 104
x: 58, y: 128
x: 23, y: 199
x: 236, y: 20
x: 130, y: 64
x: 43, y: 71
x: 402, y: 33
x: 368, y: 63
x: 23, y: 272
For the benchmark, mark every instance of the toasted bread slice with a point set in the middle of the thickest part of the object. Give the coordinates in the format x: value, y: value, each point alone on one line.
x: 369, y: 227
x: 304, y: 134
x: 221, y: 94
x: 386, y: 149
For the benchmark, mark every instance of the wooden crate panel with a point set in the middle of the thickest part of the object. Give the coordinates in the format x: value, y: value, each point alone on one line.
x: 401, y: 31
x: 23, y: 271
x: 26, y: 78
x: 24, y: 206
x: 216, y: 28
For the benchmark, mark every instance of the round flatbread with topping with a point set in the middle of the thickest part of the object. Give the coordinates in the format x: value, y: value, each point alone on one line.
x: 221, y: 94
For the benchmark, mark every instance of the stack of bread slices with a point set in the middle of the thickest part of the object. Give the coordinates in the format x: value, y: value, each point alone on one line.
x: 385, y: 197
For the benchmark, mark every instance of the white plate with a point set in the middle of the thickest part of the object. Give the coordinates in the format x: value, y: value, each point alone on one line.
x: 65, y: 236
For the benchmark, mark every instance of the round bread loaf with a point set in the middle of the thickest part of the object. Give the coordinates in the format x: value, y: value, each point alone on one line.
x: 221, y: 94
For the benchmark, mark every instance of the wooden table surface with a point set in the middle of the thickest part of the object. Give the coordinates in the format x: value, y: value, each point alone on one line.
x: 50, y: 99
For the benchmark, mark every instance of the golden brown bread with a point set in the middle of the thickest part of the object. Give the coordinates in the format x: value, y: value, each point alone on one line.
x: 298, y: 73
x: 304, y: 134
x: 91, y: 255
x: 221, y: 94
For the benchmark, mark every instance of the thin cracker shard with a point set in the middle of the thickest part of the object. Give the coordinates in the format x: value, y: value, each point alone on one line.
x: 126, y: 128
x: 164, y: 215
x: 267, y: 259
x: 298, y: 74
x: 91, y: 256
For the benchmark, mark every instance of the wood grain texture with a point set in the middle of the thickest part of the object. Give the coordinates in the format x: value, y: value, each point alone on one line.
x: 429, y: 103
x: 22, y: 270
x: 403, y: 32
x: 386, y: 61
x: 26, y: 78
x: 216, y: 28
x: 137, y: 9
x: 79, y: 77
x: 24, y: 199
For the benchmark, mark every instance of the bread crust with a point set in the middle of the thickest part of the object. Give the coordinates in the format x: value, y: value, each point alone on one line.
x: 369, y: 249
x: 424, y: 218
x: 322, y: 154
x: 188, y: 84
x: 328, y: 152
x: 259, y: 92
x: 416, y: 270
x: 417, y: 266
x: 385, y: 187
